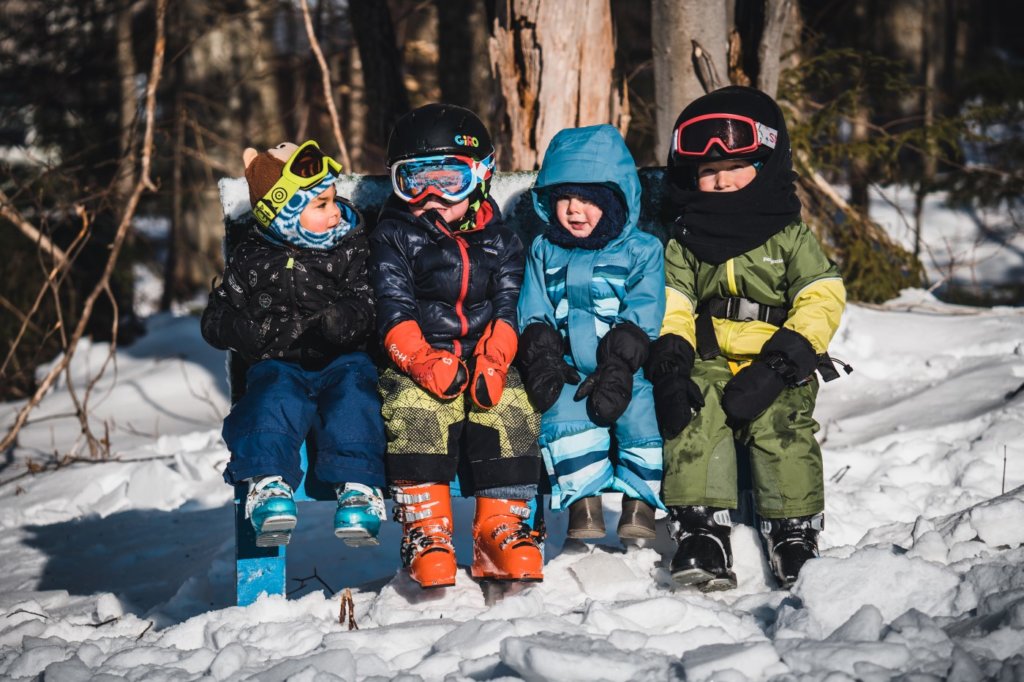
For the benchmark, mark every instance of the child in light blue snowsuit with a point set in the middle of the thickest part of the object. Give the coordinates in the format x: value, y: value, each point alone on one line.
x: 592, y: 300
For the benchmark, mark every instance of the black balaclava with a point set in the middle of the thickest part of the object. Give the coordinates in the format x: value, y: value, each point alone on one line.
x: 717, y: 226
x: 613, y: 216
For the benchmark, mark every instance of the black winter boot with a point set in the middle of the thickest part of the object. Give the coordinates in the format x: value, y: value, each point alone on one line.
x: 704, y: 557
x: 791, y: 543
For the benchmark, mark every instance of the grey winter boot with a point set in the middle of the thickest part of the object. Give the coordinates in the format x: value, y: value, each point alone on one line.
x: 586, y: 519
x: 637, y: 520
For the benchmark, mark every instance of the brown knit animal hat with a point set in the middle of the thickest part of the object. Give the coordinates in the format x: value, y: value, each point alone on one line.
x: 263, y: 169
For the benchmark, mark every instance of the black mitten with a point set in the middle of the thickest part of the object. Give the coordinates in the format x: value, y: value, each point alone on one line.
x: 224, y: 328
x: 542, y: 365
x: 280, y: 334
x: 345, y: 321
x: 676, y: 397
x: 620, y: 353
x: 786, y: 359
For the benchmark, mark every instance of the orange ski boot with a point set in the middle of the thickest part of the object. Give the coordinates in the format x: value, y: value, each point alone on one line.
x: 504, y: 548
x: 425, y: 512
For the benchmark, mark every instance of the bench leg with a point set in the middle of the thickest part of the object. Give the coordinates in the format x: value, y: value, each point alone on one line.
x: 258, y: 570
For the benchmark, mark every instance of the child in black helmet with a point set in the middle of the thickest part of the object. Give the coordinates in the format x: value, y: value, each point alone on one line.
x: 748, y: 287
x: 447, y: 274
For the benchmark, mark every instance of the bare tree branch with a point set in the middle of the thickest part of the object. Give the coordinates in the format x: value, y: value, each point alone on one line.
x: 325, y: 76
x: 143, y: 183
x: 51, y: 279
x: 20, y: 315
x: 8, y: 211
x: 704, y: 65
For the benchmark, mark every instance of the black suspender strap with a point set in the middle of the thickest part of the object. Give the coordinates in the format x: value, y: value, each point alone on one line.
x: 707, y: 342
x: 746, y: 310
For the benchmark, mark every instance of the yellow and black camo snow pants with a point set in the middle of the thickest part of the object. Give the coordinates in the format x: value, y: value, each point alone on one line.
x: 430, y: 439
x: 785, y: 459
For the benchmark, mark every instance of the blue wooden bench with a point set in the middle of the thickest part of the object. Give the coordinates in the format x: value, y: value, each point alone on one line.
x: 260, y: 570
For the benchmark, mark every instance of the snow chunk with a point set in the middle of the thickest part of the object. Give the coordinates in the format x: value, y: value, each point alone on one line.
x: 733, y: 662
x: 604, y: 576
x: 832, y: 590
x: 998, y: 524
x: 547, y: 657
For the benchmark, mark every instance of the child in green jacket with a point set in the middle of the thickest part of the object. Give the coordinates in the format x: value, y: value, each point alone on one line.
x: 751, y: 291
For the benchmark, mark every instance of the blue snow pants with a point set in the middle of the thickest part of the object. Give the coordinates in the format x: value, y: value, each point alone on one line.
x: 578, y: 453
x: 335, y: 409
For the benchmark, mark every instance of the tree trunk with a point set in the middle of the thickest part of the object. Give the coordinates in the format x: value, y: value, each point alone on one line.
x: 263, y: 81
x: 554, y: 65
x: 675, y: 24
x: 355, y: 108
x: 932, y: 24
x: 126, y: 71
x: 463, y: 69
x: 769, y: 52
x: 387, y: 99
x: 223, y: 109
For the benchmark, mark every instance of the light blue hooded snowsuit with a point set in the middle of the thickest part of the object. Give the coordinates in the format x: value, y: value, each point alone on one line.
x: 583, y: 293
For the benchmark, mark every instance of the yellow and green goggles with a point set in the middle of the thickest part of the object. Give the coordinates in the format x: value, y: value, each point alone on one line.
x: 304, y: 169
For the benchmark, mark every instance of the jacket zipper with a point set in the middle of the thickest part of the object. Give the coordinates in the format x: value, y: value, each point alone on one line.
x: 464, y: 253
x: 290, y: 266
x: 463, y: 287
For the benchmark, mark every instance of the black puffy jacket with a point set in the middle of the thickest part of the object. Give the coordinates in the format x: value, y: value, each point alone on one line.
x: 273, y: 298
x: 451, y: 283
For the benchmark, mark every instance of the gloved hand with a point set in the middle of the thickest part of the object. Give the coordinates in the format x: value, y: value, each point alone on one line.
x: 278, y: 334
x: 676, y: 397
x: 489, y: 366
x: 620, y: 353
x: 254, y: 339
x: 438, y: 371
x: 543, y: 366
x: 786, y: 359
x: 345, y: 320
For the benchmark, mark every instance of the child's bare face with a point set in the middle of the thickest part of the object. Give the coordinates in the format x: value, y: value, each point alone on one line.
x: 726, y: 175
x: 449, y: 212
x: 578, y: 216
x: 322, y: 214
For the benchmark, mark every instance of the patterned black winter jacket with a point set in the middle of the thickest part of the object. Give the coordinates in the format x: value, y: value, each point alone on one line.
x: 451, y: 283
x: 301, y: 305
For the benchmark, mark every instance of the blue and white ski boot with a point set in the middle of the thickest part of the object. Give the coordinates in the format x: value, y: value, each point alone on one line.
x: 359, y: 514
x: 271, y: 510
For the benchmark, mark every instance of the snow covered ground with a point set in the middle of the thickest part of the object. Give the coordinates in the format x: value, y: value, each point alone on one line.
x: 976, y: 250
x: 125, y: 567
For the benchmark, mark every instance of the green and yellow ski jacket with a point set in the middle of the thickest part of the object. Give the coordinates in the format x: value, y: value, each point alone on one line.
x: 789, y: 270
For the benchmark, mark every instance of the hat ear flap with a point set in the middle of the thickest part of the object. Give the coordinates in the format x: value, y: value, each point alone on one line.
x: 248, y: 155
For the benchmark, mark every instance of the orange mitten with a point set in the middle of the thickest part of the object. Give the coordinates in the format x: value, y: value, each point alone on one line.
x: 493, y: 354
x: 438, y: 371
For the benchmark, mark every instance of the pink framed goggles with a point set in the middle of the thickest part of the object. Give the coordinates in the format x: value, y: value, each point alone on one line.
x: 733, y: 133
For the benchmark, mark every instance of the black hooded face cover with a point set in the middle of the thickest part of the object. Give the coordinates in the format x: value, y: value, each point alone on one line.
x: 717, y: 226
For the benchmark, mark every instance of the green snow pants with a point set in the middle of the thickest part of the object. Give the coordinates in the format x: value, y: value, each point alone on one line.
x: 785, y: 460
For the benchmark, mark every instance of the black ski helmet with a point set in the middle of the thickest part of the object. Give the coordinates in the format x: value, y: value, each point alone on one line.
x: 439, y: 129
x: 733, y: 99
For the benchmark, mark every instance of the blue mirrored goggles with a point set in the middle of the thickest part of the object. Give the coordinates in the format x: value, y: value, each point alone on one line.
x: 448, y: 176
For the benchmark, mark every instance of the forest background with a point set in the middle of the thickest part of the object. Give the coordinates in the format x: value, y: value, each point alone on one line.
x: 118, y: 117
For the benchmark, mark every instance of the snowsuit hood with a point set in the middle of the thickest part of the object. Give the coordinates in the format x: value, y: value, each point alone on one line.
x: 589, y: 155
